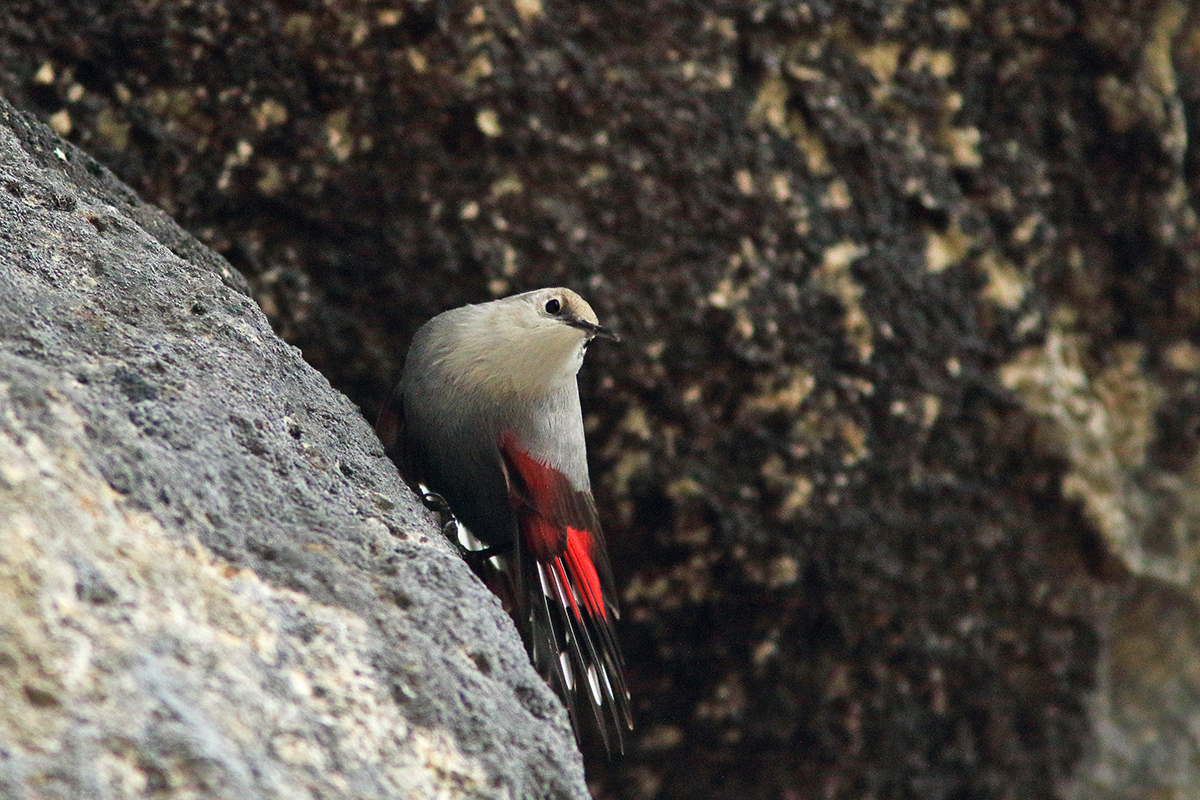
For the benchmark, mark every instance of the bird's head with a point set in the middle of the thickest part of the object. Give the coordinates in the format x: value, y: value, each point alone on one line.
x: 528, y: 343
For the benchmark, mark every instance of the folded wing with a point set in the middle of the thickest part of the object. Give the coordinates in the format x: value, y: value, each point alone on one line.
x: 568, y: 591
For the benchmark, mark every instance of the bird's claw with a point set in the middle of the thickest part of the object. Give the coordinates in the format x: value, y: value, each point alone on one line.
x: 449, y: 525
x: 435, y: 502
x: 474, y: 558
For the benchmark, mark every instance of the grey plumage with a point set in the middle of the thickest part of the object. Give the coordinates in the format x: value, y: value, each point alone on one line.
x: 492, y: 423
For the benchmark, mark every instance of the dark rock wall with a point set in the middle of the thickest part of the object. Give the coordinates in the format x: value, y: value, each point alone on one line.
x: 901, y: 449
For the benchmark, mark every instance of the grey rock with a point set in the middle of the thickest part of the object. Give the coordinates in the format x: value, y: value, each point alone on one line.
x: 214, y: 583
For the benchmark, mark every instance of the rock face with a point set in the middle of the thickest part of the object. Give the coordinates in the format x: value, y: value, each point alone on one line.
x: 212, y: 581
x: 899, y: 462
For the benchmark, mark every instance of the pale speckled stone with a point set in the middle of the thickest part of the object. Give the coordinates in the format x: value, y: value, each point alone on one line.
x: 212, y: 582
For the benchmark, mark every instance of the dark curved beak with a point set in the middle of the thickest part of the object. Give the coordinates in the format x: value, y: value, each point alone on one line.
x: 596, y: 331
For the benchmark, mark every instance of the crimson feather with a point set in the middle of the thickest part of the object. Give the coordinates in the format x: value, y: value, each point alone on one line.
x: 567, y: 590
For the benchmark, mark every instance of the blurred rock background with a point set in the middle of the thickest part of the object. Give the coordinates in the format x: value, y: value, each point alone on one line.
x: 898, y: 462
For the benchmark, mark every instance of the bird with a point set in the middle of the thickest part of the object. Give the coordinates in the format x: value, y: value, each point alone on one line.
x: 486, y: 420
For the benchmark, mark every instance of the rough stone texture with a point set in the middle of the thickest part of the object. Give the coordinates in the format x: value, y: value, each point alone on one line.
x: 212, y: 581
x: 900, y: 460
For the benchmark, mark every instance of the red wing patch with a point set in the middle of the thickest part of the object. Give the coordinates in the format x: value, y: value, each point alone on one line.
x: 580, y: 566
x: 545, y: 502
x: 567, y: 591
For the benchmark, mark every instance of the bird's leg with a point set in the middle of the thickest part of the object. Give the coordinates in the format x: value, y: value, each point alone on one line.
x: 474, y: 558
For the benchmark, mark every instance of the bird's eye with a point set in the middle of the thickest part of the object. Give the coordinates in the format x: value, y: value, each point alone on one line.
x: 553, y: 306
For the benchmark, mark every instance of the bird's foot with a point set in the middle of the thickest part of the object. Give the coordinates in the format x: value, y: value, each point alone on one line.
x: 474, y: 558
x: 435, y: 502
x: 477, y: 558
x: 449, y: 525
